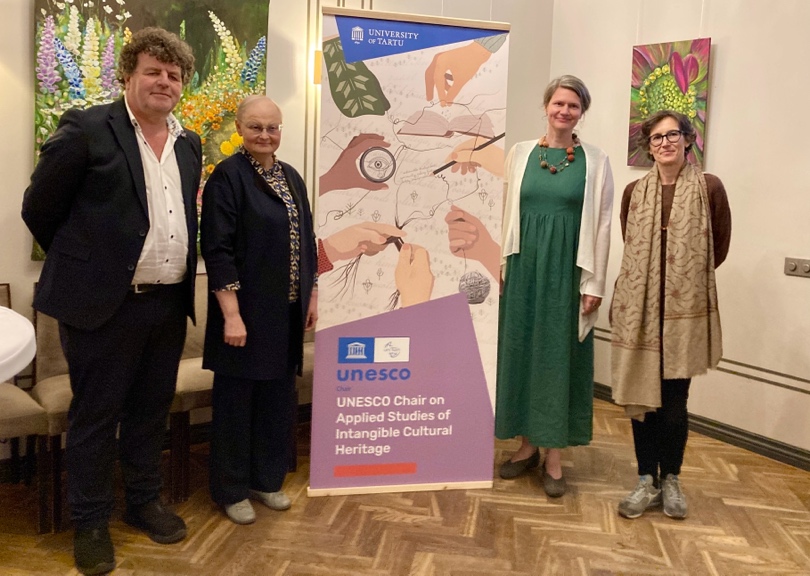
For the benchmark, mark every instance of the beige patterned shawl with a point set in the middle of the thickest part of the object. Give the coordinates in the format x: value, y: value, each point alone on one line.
x: 691, y: 331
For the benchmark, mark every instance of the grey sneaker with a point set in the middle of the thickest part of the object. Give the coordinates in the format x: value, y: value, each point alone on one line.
x: 645, y: 495
x: 241, y: 513
x: 674, y: 499
x: 273, y: 500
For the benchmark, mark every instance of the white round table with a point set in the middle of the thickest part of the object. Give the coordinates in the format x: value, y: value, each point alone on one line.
x: 18, y: 344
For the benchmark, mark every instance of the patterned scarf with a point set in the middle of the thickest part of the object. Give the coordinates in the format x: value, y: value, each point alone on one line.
x: 691, y: 330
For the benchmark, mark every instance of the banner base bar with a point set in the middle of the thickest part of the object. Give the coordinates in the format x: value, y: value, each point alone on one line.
x: 472, y: 485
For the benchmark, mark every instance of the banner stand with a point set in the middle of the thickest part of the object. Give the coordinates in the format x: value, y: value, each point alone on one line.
x: 409, y: 204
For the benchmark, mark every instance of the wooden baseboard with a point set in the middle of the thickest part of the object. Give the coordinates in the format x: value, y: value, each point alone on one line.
x: 774, y: 449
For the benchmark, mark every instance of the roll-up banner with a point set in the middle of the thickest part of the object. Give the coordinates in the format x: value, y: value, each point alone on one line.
x: 409, y: 207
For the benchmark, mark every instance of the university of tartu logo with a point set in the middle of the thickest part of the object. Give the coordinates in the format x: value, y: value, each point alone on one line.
x: 357, y: 34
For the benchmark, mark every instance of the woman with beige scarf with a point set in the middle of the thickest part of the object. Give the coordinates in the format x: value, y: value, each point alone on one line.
x: 676, y: 225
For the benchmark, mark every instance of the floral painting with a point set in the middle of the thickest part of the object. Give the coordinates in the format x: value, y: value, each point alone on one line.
x: 77, y: 44
x: 669, y: 76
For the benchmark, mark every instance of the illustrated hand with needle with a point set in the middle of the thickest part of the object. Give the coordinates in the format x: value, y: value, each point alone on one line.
x: 450, y: 71
x: 470, y: 155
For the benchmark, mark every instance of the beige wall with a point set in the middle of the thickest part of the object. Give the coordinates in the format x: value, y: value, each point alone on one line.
x: 16, y: 148
x: 756, y: 144
x: 295, y: 33
x: 292, y: 39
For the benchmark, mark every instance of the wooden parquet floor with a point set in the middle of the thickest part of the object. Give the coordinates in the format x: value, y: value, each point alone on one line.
x: 748, y: 515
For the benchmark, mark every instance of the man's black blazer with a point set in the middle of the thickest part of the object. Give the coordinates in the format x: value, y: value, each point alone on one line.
x: 86, y: 206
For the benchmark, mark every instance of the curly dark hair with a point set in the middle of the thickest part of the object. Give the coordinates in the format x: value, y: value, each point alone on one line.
x: 684, y: 125
x: 163, y: 45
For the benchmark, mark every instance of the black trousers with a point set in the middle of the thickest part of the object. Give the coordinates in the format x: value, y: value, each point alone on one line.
x: 660, y: 440
x: 251, y: 426
x: 124, y: 373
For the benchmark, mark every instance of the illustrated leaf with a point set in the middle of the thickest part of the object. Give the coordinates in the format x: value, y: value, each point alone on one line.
x: 354, y: 88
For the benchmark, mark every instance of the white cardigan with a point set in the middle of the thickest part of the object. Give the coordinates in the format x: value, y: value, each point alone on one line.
x: 594, y: 231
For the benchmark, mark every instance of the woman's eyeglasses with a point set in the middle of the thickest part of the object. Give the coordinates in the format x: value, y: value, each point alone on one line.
x: 672, y: 137
x: 271, y: 130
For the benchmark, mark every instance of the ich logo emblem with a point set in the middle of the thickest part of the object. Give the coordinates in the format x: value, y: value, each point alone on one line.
x: 373, y: 350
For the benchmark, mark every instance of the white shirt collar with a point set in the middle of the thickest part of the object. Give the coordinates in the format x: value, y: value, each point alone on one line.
x: 175, y: 129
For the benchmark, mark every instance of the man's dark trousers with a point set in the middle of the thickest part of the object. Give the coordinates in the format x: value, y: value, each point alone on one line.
x: 125, y: 370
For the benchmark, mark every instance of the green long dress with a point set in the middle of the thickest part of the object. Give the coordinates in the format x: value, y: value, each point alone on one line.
x: 545, y: 375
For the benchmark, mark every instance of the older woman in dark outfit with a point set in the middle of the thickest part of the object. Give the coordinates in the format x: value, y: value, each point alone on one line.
x: 666, y: 325
x: 257, y: 240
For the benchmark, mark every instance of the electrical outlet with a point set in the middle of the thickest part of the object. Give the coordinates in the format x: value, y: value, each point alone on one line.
x: 797, y: 267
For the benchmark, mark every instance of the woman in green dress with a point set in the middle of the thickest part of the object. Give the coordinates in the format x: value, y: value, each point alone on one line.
x: 556, y: 241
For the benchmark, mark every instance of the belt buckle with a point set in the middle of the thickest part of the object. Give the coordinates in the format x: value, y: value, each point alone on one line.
x: 136, y: 288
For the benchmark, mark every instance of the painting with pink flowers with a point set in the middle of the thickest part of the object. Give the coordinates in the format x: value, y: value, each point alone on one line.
x: 669, y: 76
x: 77, y: 44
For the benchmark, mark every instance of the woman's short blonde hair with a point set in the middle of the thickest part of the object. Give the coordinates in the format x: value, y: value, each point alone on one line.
x: 570, y: 83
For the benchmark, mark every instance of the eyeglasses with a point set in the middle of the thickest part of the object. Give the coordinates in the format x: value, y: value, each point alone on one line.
x: 271, y: 130
x: 672, y: 137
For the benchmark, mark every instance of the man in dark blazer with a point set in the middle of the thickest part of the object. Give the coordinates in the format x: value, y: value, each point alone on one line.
x: 112, y: 201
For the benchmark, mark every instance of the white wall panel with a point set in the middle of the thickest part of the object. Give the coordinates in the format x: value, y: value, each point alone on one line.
x: 755, y: 144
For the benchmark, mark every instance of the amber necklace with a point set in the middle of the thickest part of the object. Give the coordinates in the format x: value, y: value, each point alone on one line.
x: 562, y: 164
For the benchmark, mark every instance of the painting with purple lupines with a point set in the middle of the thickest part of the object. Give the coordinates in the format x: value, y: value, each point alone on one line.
x: 77, y: 44
x: 669, y: 76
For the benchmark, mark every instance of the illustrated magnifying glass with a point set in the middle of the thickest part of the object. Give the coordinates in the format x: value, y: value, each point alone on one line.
x: 377, y: 164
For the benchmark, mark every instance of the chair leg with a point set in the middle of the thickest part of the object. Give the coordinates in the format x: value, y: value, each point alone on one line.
x: 56, y: 483
x: 179, y: 484
x: 15, y: 460
x: 30, y: 462
x: 42, y: 484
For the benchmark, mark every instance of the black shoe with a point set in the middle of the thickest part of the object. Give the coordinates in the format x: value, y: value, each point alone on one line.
x: 160, y: 524
x: 553, y: 487
x: 93, y: 550
x: 511, y: 469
